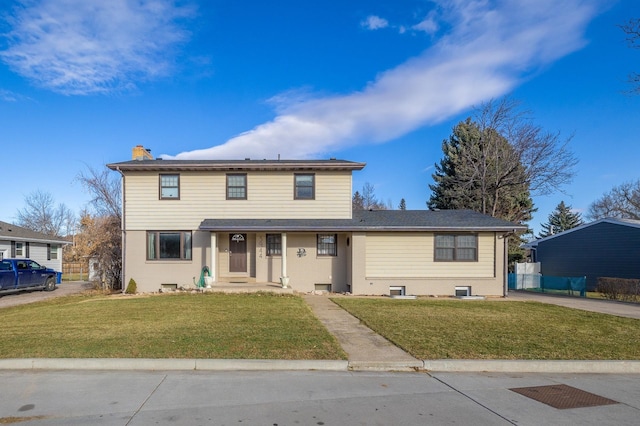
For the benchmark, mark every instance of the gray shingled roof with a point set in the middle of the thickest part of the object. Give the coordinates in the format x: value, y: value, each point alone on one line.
x: 373, y: 220
x: 226, y: 165
x: 17, y: 233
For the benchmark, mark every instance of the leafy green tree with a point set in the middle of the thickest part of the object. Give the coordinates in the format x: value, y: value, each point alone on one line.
x: 561, y: 219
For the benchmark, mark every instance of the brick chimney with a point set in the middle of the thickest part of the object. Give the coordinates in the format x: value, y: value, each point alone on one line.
x: 140, y: 153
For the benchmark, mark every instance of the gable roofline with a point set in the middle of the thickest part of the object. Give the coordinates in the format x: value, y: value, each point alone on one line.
x: 10, y: 232
x: 234, y: 165
x: 612, y: 220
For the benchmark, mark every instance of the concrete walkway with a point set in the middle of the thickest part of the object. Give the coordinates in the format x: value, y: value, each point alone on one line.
x: 366, y: 350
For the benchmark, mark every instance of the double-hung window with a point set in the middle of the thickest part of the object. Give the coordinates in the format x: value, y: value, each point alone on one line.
x: 456, y: 248
x: 169, y: 245
x: 304, y: 186
x: 327, y: 245
x: 52, y: 252
x: 236, y: 187
x: 169, y: 187
x: 274, y: 244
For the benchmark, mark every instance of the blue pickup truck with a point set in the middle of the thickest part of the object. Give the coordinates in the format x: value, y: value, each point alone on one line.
x: 25, y: 274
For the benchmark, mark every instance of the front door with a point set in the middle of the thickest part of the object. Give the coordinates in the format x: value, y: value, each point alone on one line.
x: 237, y: 252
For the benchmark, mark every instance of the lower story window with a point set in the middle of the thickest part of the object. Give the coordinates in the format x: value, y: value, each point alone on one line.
x: 456, y: 248
x: 169, y: 245
x: 274, y: 244
x: 327, y: 244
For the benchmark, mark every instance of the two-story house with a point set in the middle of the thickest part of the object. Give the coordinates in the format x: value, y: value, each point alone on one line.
x: 291, y: 222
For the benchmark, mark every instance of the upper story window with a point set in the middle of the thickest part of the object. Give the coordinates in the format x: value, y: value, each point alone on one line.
x: 169, y: 187
x: 327, y: 245
x: 19, y: 249
x: 169, y: 245
x: 305, y: 186
x: 274, y: 244
x: 456, y: 248
x: 237, y: 187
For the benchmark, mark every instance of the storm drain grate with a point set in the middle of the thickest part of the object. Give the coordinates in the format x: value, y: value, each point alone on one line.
x: 563, y: 396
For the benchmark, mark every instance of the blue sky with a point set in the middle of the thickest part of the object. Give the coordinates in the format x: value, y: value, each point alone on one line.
x: 382, y: 82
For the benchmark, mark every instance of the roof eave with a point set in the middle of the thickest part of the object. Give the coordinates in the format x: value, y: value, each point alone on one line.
x: 236, y: 166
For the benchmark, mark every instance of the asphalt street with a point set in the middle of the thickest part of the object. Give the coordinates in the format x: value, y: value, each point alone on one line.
x: 52, y: 398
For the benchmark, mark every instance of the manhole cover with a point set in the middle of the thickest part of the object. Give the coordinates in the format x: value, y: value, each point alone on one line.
x: 563, y: 396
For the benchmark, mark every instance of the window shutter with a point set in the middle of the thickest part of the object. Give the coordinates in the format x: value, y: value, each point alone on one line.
x: 13, y: 249
x: 48, y: 251
x: 26, y: 249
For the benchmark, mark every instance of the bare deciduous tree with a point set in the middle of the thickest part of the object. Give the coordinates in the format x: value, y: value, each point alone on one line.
x: 104, y: 188
x: 547, y: 161
x: 632, y: 30
x: 42, y: 215
x: 368, y: 200
x: 102, y: 232
x: 623, y: 202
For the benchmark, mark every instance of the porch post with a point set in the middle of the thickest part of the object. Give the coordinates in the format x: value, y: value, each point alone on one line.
x: 214, y: 255
x: 284, y: 279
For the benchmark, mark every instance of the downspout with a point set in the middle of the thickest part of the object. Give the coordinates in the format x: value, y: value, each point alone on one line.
x: 124, y: 232
x: 505, y: 272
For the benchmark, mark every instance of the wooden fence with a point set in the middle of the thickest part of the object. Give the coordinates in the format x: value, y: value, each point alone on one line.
x: 75, y: 271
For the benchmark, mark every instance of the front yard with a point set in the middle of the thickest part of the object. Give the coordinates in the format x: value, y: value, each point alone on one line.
x: 256, y: 326
x: 457, y: 329
x: 269, y: 326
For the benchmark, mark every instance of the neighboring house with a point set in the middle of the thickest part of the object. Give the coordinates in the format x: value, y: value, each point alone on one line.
x: 23, y: 243
x: 604, y: 248
x: 291, y: 222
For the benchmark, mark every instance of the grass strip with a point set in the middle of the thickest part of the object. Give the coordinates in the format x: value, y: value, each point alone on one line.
x: 483, y: 329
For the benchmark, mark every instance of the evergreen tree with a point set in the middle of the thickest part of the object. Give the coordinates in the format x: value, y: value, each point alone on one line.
x: 357, y: 203
x: 561, y: 219
x: 403, y: 205
x: 478, y: 173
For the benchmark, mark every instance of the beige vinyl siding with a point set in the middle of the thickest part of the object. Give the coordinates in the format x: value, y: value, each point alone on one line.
x: 203, y: 196
x: 411, y: 255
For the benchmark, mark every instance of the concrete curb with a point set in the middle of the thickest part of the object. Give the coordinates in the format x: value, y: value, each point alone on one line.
x: 171, y: 364
x: 533, y: 366
x: 386, y: 365
x: 444, y: 365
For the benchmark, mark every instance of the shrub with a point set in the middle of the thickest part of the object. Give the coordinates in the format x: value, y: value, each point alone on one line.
x: 627, y: 290
x: 132, y: 287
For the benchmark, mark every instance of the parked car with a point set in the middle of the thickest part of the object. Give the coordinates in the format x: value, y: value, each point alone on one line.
x: 25, y: 274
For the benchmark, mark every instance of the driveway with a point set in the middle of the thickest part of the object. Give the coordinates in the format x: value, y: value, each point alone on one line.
x: 64, y: 289
x: 611, y: 307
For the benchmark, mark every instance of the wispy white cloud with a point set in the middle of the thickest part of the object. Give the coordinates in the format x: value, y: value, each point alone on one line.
x: 428, y: 25
x: 490, y: 48
x: 79, y: 47
x: 374, y: 22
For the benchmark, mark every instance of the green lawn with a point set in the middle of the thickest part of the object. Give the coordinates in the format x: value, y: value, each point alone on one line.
x: 256, y: 326
x: 482, y: 329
